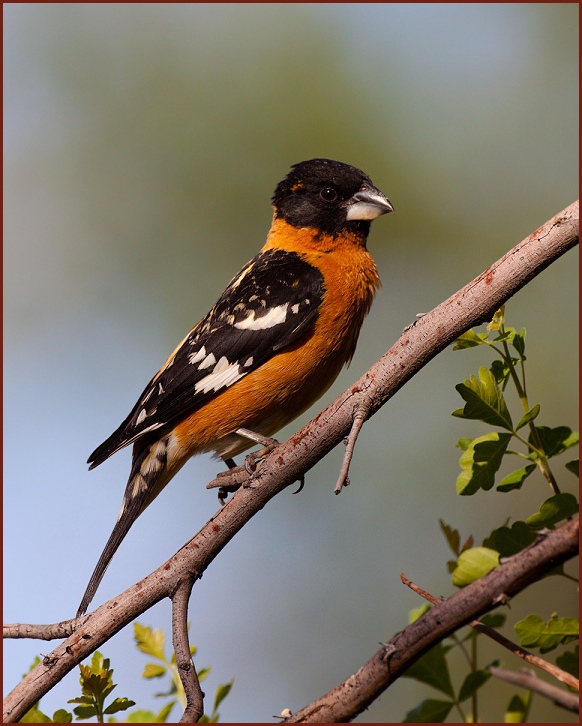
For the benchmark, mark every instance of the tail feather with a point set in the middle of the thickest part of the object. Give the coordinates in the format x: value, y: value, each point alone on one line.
x: 122, y: 527
x: 142, y: 487
x: 115, y: 442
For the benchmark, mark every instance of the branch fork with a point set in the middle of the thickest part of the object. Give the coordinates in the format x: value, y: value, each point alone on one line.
x: 473, y: 304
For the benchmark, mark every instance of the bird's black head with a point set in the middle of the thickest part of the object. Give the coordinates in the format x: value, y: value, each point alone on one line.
x: 329, y: 196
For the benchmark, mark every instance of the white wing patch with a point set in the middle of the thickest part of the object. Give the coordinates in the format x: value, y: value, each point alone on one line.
x: 198, y: 356
x: 223, y: 375
x: 275, y: 316
x: 152, y: 427
x: 210, y: 360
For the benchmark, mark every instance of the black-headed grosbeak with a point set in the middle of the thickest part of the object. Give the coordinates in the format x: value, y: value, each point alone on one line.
x: 271, y: 346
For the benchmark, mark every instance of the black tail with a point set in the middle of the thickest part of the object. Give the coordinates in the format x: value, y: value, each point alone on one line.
x: 116, y: 441
x: 121, y: 528
x: 139, y: 492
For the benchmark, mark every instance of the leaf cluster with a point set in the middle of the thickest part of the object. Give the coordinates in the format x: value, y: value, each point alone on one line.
x: 96, y: 681
x: 485, y: 401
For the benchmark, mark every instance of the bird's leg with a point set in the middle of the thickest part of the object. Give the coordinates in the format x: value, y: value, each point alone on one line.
x: 238, y: 476
x: 233, y: 476
x: 268, y: 445
x: 225, y: 489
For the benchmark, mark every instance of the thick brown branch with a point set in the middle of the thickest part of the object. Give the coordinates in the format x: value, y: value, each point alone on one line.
x: 525, y: 679
x: 541, y: 663
x: 472, y: 305
x: 356, y: 693
x: 194, y: 696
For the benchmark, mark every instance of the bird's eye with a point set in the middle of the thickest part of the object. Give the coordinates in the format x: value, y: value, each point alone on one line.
x: 328, y: 194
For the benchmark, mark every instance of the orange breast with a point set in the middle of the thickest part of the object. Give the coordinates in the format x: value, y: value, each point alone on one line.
x: 293, y: 379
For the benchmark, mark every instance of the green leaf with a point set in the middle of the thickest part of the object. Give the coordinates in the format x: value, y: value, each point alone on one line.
x: 555, y: 441
x: 82, y: 712
x: 535, y: 633
x: 484, y: 400
x: 62, y: 716
x: 473, y: 564
x: 509, y: 541
x: 413, y: 615
x: 554, y: 510
x: 472, y: 683
x: 501, y: 370
x: 481, y: 462
x: 35, y: 715
x: 497, y: 320
x: 170, y: 693
x: 221, y: 693
x: 463, y: 443
x: 432, y: 668
x: 518, y: 708
x: 164, y: 714
x: 517, y: 340
x: 141, y: 716
x: 150, y: 642
x: 573, y: 466
x: 452, y: 536
x: 152, y: 670
x: 529, y: 416
x: 470, y: 339
x: 99, y: 664
x: 203, y: 673
x: 493, y: 620
x: 569, y: 661
x: 503, y: 337
x: 515, y: 479
x: 119, y: 704
x: 429, y: 711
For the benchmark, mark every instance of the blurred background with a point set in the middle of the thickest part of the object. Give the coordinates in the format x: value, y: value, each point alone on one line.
x: 142, y: 144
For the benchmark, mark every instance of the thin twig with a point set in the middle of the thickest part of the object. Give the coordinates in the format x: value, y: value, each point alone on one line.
x: 527, y: 679
x: 535, y: 660
x: 194, y: 696
x: 360, y: 416
x: 352, y: 696
x: 40, y: 632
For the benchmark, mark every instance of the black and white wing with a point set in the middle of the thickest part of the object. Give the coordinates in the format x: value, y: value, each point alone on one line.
x: 270, y: 304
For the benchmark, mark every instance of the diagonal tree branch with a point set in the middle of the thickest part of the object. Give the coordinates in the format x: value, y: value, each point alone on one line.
x: 357, y: 692
x: 470, y: 306
x: 545, y: 665
x: 527, y: 679
x: 186, y: 670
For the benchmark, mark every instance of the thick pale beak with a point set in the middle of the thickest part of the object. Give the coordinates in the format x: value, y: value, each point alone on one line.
x: 367, y: 204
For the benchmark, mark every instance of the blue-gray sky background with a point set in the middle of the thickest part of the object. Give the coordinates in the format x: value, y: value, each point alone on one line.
x: 142, y: 145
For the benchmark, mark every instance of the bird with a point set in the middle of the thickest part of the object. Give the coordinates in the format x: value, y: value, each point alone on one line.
x: 271, y: 346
